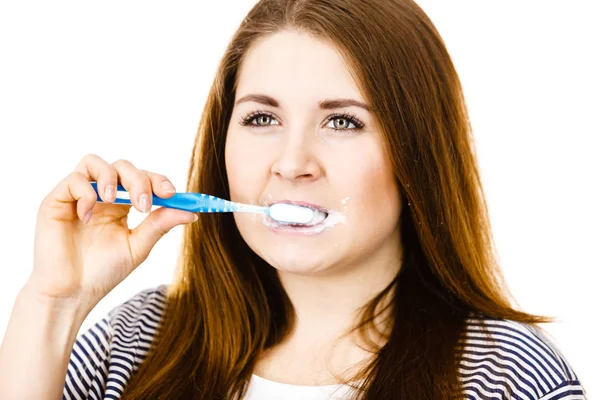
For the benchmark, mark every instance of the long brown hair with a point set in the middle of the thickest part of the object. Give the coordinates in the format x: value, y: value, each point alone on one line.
x: 226, y: 305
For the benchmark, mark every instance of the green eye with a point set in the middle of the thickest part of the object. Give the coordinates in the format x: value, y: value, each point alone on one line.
x: 263, y: 120
x: 337, y: 122
x: 342, y: 123
x: 258, y: 120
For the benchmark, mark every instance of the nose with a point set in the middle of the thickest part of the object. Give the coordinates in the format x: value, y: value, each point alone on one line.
x: 296, y: 161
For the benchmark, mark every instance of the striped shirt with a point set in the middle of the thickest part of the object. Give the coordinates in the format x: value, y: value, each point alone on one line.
x: 513, y: 361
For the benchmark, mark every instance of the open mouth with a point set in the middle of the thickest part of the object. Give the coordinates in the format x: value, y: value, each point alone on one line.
x: 322, y: 219
x: 318, y: 217
x: 316, y: 224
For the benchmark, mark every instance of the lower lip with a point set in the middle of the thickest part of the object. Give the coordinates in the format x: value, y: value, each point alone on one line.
x: 295, y: 230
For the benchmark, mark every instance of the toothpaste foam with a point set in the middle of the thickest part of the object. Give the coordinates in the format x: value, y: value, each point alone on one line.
x: 291, y: 214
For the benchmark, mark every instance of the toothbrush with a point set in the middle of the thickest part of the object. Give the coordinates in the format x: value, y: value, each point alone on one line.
x: 204, y: 203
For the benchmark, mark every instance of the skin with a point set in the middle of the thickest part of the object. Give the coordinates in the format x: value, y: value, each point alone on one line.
x: 296, y: 151
x: 83, y: 249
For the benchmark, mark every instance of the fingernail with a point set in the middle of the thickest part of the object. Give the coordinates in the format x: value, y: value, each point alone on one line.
x: 87, y: 217
x: 195, y: 217
x: 144, y: 202
x: 109, y: 193
x: 168, y: 187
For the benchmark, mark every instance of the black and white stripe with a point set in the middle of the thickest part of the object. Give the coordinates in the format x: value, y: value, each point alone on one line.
x: 501, y: 360
x: 506, y: 359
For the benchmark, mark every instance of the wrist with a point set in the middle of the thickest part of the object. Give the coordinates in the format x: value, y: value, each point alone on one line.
x: 59, y: 317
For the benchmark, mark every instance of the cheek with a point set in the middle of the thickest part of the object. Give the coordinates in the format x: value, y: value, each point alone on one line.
x: 366, y: 176
x: 374, y: 198
x: 243, y: 168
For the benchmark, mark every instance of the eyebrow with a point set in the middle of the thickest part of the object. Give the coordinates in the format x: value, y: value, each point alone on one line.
x: 328, y: 104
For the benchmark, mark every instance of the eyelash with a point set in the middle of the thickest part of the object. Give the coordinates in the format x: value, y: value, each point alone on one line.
x: 247, y: 120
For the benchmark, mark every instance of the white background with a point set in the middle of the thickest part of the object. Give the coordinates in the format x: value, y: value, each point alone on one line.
x: 129, y: 80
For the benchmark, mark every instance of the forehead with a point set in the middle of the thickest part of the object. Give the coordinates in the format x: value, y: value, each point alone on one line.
x: 293, y: 65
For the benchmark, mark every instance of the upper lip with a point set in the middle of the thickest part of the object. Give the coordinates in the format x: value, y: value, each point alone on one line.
x: 301, y: 204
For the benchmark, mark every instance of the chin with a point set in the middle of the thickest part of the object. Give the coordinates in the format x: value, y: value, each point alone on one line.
x: 295, y: 260
x: 293, y: 252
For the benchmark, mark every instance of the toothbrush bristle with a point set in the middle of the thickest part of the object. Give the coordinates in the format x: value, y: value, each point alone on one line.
x: 291, y: 214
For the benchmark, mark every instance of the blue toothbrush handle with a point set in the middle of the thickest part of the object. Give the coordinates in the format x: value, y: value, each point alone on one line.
x: 194, y: 202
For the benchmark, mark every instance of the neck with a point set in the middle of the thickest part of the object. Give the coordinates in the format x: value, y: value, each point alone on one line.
x: 327, y: 306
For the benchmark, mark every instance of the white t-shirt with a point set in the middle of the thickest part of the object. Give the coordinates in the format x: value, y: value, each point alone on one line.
x: 264, y: 389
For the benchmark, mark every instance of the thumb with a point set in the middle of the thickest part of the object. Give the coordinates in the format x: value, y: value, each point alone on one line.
x: 160, y: 221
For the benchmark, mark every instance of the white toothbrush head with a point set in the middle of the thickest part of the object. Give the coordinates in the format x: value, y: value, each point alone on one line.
x: 291, y: 214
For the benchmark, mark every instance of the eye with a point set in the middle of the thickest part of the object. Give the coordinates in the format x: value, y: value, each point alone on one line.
x: 344, y: 122
x: 258, y: 119
x: 337, y: 122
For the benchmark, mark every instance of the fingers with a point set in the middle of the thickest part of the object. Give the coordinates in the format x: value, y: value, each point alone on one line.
x: 136, y: 183
x: 94, y: 168
x: 140, y: 184
x: 76, y: 188
x: 143, y: 238
x: 161, y: 185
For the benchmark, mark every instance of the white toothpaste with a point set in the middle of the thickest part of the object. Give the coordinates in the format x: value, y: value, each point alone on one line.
x: 333, y: 218
x: 291, y: 214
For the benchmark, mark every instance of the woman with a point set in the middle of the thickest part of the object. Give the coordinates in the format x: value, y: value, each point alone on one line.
x: 349, y: 107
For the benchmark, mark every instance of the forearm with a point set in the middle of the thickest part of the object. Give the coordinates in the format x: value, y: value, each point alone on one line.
x: 36, y: 348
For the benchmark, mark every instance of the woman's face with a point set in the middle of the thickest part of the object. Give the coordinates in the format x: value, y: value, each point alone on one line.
x: 301, y: 132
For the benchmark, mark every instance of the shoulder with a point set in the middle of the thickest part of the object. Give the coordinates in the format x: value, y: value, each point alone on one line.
x: 105, y: 356
x: 141, y: 312
x: 508, y: 358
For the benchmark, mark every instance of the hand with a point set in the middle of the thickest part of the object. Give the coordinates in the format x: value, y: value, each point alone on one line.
x: 84, y: 248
